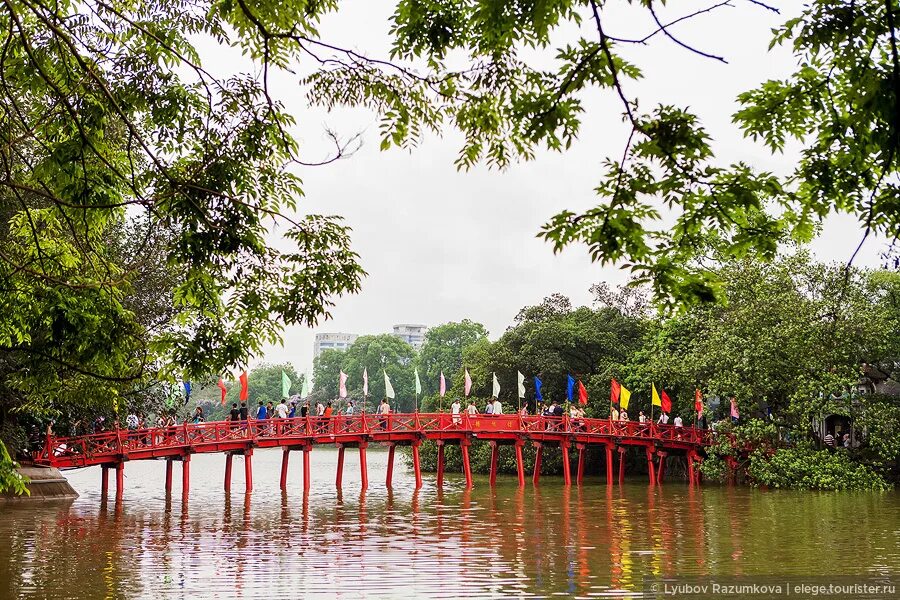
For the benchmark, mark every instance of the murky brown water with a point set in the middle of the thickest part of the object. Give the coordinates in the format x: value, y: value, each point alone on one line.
x: 585, y: 542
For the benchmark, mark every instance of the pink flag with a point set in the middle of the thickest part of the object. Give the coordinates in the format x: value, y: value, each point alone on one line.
x: 734, y: 409
x: 443, y: 385
x: 468, y: 382
x: 365, y: 383
x: 343, y: 391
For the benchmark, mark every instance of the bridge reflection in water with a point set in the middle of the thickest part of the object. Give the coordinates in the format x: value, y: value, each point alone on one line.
x: 113, y: 449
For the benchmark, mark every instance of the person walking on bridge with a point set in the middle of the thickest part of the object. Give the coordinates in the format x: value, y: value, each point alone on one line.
x: 489, y: 408
x: 261, y: 412
x: 497, y: 407
x: 384, y: 410
x: 235, y: 415
x: 471, y: 410
x: 281, y: 411
x: 454, y: 410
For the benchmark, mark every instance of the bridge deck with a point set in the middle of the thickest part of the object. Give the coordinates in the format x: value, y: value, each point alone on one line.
x: 111, y: 447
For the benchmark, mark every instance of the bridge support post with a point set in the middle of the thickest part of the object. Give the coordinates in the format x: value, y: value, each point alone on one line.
x: 248, y: 470
x: 621, y: 465
x: 440, y: 463
x: 120, y: 480
x: 338, y: 478
x: 650, y: 470
x: 185, y: 477
x: 609, y: 465
x: 104, y: 481
x: 495, y: 452
x: 579, y: 477
x: 536, y: 476
x: 228, y: 458
x: 567, y: 469
x: 363, y: 471
x: 306, y: 474
x: 467, y: 468
x: 168, y: 477
x: 285, y: 457
x: 418, y: 471
x: 520, y: 464
x: 389, y: 480
x: 690, y: 467
x: 661, y: 471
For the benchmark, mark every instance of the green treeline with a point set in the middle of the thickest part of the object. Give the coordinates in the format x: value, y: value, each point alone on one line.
x: 793, y: 341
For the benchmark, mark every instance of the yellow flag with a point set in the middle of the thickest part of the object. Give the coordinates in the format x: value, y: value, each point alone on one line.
x: 624, y: 397
x: 656, y: 400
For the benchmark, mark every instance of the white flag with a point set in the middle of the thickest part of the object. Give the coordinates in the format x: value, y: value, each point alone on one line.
x: 521, y: 384
x: 342, y: 392
x: 496, y: 393
x: 388, y: 388
x: 365, y: 383
x: 443, y: 385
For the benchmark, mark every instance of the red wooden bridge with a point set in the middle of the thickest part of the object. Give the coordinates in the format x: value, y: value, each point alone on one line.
x: 113, y: 449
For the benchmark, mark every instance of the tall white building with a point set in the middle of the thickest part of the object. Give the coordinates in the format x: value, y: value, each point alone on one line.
x: 333, y: 341
x: 412, y: 334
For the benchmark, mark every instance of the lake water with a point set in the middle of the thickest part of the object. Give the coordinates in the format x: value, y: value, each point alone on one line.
x: 588, y: 541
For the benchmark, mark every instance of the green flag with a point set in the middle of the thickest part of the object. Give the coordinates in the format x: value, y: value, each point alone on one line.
x: 418, y: 383
x: 306, y: 389
x: 285, y: 385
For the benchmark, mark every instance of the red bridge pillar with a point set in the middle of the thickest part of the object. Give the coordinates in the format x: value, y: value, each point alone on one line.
x: 520, y: 464
x: 340, y: 466
x: 388, y: 482
x: 690, y: 465
x: 609, y: 464
x: 228, y: 457
x: 120, y: 480
x: 495, y: 451
x: 650, y: 469
x: 363, y: 470
x: 418, y: 471
x: 185, y: 477
x: 306, y: 474
x: 285, y: 457
x: 536, y: 476
x: 621, y: 465
x: 104, y: 481
x: 579, y: 477
x: 661, y: 472
x: 567, y: 469
x: 248, y: 469
x: 440, y: 463
x: 467, y: 468
x: 168, y: 477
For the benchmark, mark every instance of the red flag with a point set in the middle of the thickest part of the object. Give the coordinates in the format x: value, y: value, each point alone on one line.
x: 245, y: 395
x: 615, y: 391
x: 698, y: 402
x: 582, y: 393
x: 224, y: 390
x: 665, y: 402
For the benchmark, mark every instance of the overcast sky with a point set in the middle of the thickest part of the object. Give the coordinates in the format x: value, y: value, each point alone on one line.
x: 441, y: 245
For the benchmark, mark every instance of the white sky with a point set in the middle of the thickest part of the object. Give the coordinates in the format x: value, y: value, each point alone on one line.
x: 441, y: 245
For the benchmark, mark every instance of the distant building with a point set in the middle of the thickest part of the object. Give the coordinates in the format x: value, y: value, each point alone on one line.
x: 333, y: 341
x: 412, y: 334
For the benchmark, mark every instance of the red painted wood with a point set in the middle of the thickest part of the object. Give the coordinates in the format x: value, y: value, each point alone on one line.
x: 285, y: 457
x: 340, y: 467
x: 650, y: 470
x: 580, y: 476
x: 120, y: 480
x: 363, y: 469
x: 467, y: 468
x: 536, y: 476
x: 520, y: 465
x: 228, y: 458
x: 248, y: 471
x: 621, y: 466
x: 307, y: 476
x: 609, y: 465
x: 416, y: 469
x: 104, y: 481
x: 567, y: 469
x: 389, y: 480
x: 185, y: 477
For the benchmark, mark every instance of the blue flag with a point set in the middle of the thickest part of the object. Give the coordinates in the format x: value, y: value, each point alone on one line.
x: 187, y: 389
x: 570, y: 388
x: 537, y: 390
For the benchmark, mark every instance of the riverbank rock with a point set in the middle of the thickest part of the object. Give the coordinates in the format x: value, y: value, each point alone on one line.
x: 46, y: 483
